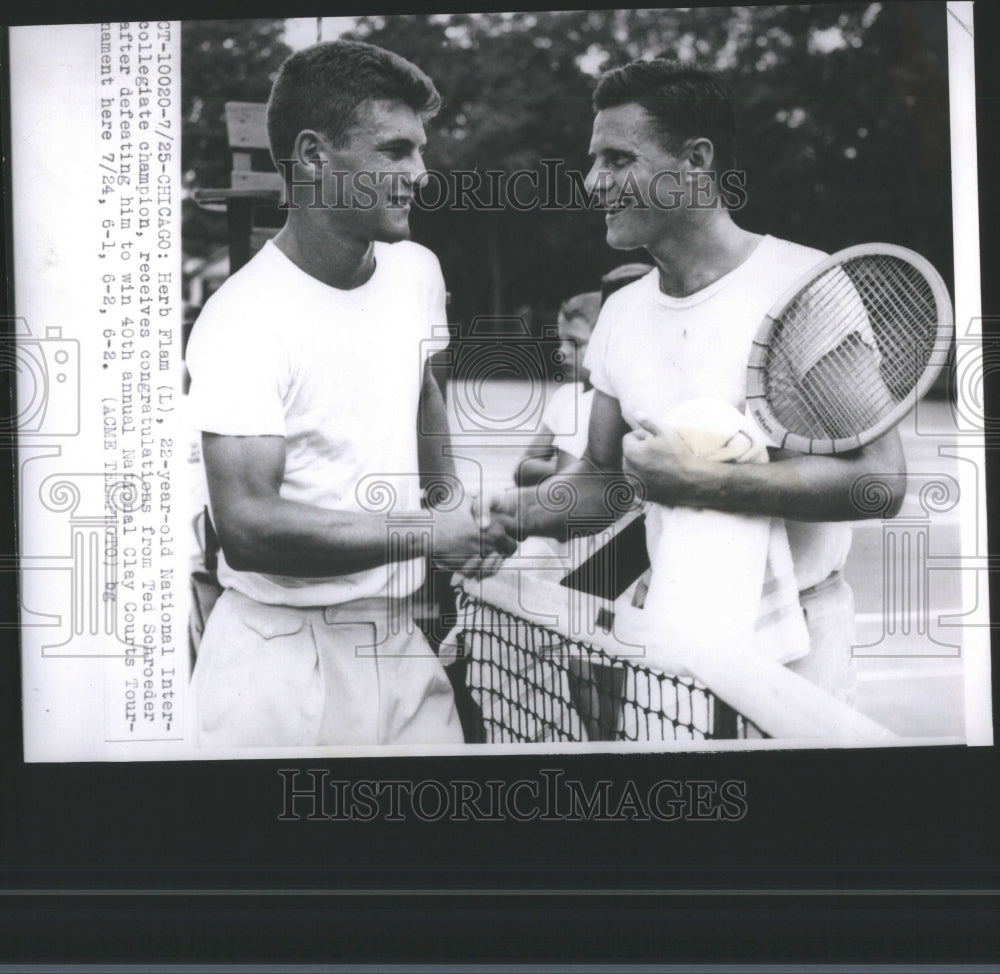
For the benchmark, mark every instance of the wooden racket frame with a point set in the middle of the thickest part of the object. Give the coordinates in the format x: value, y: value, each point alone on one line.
x: 757, y: 404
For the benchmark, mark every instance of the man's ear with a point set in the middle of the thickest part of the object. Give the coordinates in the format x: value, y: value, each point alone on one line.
x: 310, y: 152
x: 700, y: 154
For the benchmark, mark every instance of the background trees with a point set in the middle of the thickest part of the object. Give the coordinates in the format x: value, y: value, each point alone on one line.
x: 843, y: 113
x: 221, y: 60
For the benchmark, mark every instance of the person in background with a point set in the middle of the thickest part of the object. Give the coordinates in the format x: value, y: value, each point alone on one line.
x: 563, y: 434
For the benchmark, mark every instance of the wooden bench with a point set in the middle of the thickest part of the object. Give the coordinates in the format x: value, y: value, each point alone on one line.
x: 254, y: 180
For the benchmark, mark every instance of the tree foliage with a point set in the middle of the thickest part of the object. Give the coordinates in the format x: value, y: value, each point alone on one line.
x: 842, y: 110
x: 843, y: 113
x: 221, y: 60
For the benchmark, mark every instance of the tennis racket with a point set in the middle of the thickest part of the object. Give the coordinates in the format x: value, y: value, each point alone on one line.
x: 849, y: 349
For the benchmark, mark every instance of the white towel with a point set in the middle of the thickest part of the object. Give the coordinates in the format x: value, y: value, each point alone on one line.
x: 718, y: 579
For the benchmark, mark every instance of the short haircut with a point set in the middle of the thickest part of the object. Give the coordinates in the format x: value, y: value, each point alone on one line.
x: 322, y: 88
x: 585, y: 307
x: 685, y: 102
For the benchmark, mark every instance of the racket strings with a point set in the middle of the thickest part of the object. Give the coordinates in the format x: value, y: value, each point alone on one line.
x: 850, y: 347
x: 808, y: 397
x: 787, y: 399
x: 904, y: 319
x: 811, y: 406
x: 802, y: 325
x: 808, y: 405
x: 911, y: 300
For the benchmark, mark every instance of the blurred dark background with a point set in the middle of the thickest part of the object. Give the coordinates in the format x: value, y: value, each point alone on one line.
x: 842, y: 112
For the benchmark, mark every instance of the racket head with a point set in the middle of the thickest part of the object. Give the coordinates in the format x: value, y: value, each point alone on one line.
x: 910, y: 358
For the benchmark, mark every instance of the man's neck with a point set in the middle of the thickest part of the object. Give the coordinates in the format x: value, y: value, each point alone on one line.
x: 343, y: 263
x: 702, y: 253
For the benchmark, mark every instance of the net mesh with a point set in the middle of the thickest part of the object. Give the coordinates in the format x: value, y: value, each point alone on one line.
x: 530, y: 683
x: 850, y: 347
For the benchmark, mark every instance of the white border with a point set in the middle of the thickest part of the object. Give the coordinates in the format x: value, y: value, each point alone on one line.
x: 52, y: 281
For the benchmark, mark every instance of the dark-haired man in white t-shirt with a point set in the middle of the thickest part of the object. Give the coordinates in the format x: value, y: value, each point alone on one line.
x: 663, y: 151
x: 308, y: 379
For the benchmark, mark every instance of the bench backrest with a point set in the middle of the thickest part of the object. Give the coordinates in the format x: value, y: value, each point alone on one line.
x: 246, y: 125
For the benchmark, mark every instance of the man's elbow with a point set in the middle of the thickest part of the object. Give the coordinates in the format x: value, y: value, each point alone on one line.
x: 241, y: 540
x: 879, y: 492
x: 894, y: 488
x: 239, y: 559
x: 240, y: 556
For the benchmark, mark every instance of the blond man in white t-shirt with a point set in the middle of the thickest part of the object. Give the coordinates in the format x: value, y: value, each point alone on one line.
x: 309, y: 387
x: 663, y: 151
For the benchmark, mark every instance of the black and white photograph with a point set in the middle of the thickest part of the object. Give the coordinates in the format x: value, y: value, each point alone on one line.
x: 528, y: 382
x: 498, y: 487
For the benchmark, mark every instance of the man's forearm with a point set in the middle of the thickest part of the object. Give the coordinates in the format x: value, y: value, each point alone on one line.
x: 582, y: 498
x: 802, y: 488
x: 282, y: 537
x: 534, y: 470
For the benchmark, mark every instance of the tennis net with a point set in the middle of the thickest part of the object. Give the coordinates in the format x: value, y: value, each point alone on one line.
x: 545, y: 664
x: 531, y: 683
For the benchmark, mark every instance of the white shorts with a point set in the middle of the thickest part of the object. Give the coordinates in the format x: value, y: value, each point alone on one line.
x: 357, y: 673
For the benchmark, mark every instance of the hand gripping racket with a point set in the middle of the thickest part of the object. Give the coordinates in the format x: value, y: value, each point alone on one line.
x: 848, y: 350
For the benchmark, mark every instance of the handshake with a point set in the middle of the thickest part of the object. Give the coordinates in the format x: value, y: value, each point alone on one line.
x: 478, y: 536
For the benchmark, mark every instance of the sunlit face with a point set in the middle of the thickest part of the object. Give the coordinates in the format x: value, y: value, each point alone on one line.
x: 639, y: 182
x: 370, y: 180
x: 574, y: 336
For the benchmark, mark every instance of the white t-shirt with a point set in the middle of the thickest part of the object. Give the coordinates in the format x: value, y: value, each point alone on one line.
x: 567, y: 417
x: 338, y: 375
x: 653, y: 352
